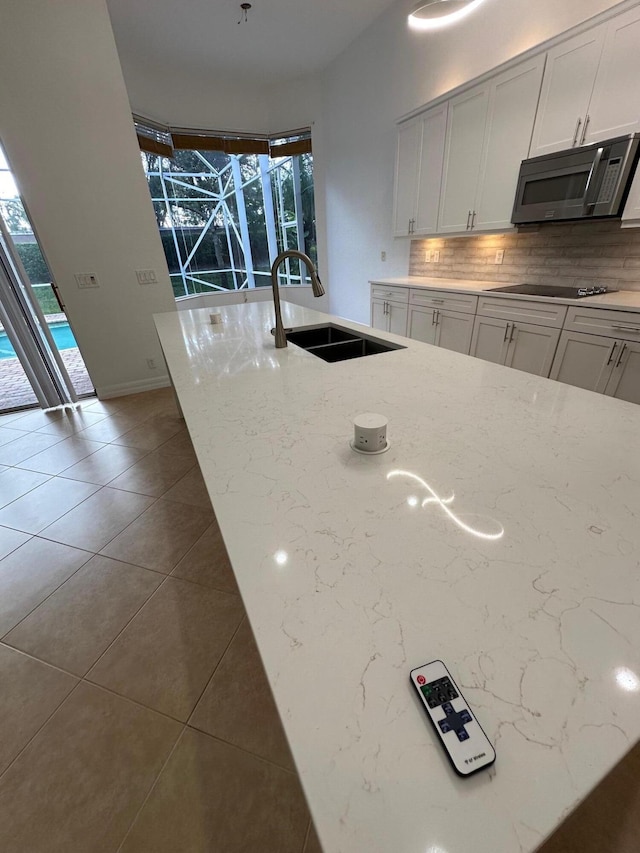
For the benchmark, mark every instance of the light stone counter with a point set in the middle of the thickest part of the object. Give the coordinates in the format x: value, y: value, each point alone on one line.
x: 623, y: 300
x: 353, y: 573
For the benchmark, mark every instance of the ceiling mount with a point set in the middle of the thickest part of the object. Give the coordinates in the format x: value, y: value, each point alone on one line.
x: 433, y: 14
x: 244, y: 11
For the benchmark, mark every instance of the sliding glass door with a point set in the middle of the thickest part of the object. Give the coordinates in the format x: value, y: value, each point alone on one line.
x: 40, y: 363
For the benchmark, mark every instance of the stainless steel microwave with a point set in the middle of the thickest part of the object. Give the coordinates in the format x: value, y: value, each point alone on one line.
x: 581, y: 183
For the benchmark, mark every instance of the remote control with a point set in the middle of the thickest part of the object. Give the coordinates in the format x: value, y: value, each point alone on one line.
x: 465, y: 743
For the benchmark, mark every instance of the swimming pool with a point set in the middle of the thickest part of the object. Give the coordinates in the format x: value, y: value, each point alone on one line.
x: 62, y: 335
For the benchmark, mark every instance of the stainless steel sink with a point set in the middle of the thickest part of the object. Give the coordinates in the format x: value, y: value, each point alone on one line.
x: 335, y: 343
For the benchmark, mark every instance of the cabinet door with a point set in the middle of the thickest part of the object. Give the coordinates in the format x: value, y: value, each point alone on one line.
x: 379, y: 319
x: 584, y: 360
x: 625, y: 378
x: 489, y: 339
x: 407, y: 157
x: 454, y: 331
x: 512, y: 111
x: 532, y: 348
x: 397, y: 317
x: 434, y: 130
x: 615, y: 104
x: 566, y: 91
x: 463, y: 156
x: 422, y: 324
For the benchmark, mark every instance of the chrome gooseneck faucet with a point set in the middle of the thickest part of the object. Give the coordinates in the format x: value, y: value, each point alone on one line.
x: 316, y: 285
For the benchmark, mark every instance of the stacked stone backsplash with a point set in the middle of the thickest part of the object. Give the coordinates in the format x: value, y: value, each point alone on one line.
x: 584, y: 253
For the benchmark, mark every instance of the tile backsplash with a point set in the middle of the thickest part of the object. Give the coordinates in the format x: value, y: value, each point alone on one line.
x: 564, y: 254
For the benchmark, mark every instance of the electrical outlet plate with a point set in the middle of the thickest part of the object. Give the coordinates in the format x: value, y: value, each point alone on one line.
x: 146, y: 277
x: 383, y: 256
x: 86, y: 279
x: 427, y: 256
x: 151, y: 363
x: 499, y: 258
x: 436, y: 257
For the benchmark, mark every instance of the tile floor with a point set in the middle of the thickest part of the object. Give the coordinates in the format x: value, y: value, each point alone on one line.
x: 125, y: 653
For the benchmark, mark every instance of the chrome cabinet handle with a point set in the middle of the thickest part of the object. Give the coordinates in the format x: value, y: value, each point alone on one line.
x: 439, y: 301
x: 513, y: 328
x: 433, y: 317
x: 506, y: 333
x: 473, y: 220
x: 627, y: 329
x: 613, y: 349
x: 575, y: 135
x: 618, y: 362
x: 437, y: 316
x: 584, y: 129
x: 468, y: 219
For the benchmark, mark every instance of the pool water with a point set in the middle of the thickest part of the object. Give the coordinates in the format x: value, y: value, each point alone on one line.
x: 62, y: 335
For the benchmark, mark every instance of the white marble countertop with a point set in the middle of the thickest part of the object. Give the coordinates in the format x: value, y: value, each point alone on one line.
x: 626, y: 300
x: 353, y: 573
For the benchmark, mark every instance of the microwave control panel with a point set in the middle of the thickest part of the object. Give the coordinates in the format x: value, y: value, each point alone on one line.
x: 610, y: 181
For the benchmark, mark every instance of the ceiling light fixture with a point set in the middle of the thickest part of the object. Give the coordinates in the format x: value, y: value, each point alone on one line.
x: 435, y: 14
x: 244, y: 11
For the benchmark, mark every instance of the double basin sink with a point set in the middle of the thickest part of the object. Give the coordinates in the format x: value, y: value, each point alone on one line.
x: 335, y: 343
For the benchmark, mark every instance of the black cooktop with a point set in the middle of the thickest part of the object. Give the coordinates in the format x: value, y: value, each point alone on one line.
x: 551, y: 290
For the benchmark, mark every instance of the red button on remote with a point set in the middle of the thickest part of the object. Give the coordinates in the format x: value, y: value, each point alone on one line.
x: 421, y: 679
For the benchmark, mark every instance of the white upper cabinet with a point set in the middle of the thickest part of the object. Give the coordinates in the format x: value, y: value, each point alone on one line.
x: 463, y: 156
x: 420, y: 152
x: 488, y: 135
x: 566, y: 91
x: 590, y: 90
x: 512, y: 110
x: 615, y: 104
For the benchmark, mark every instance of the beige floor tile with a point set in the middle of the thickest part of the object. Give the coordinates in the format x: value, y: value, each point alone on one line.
x: 153, y: 474
x: 14, y: 482
x: 10, y: 540
x: 9, y: 417
x: 208, y: 563
x: 190, y: 489
x: 161, y: 536
x: 31, y: 573
x: 312, y: 844
x: 74, y: 626
x: 152, y: 432
x: 113, y: 426
x: 31, y: 691
x: 81, y: 780
x: 238, y: 684
x: 8, y: 434
x: 104, y: 465
x: 99, y: 519
x: 166, y: 654
x: 72, y: 422
x: 180, y: 445
x: 43, y: 505
x: 108, y: 407
x: 35, y: 418
x: 27, y: 445
x: 214, y: 797
x: 608, y: 821
x: 62, y: 455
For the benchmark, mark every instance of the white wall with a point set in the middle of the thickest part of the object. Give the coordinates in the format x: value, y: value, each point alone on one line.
x: 66, y: 127
x: 386, y: 73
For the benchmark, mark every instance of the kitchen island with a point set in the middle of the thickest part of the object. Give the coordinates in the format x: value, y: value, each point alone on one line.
x: 499, y: 533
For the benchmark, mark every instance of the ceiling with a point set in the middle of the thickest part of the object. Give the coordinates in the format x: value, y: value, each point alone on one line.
x: 281, y: 40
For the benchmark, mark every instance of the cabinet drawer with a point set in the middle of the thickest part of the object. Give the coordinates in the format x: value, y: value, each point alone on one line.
x: 604, y: 321
x: 390, y: 292
x: 464, y: 302
x: 523, y: 310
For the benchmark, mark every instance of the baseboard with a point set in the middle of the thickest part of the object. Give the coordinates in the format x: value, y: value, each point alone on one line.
x: 107, y: 391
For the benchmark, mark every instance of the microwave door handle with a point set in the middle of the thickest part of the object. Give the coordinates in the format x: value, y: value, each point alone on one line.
x: 594, y: 168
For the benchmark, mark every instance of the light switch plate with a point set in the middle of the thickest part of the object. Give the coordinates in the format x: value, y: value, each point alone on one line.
x: 86, y: 279
x: 499, y: 258
x: 436, y: 256
x: 427, y: 256
x: 146, y: 277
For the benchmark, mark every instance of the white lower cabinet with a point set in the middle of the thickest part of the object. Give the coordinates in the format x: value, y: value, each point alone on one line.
x: 443, y: 328
x: 523, y: 346
x: 490, y: 339
x: 608, y: 366
x: 389, y: 316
